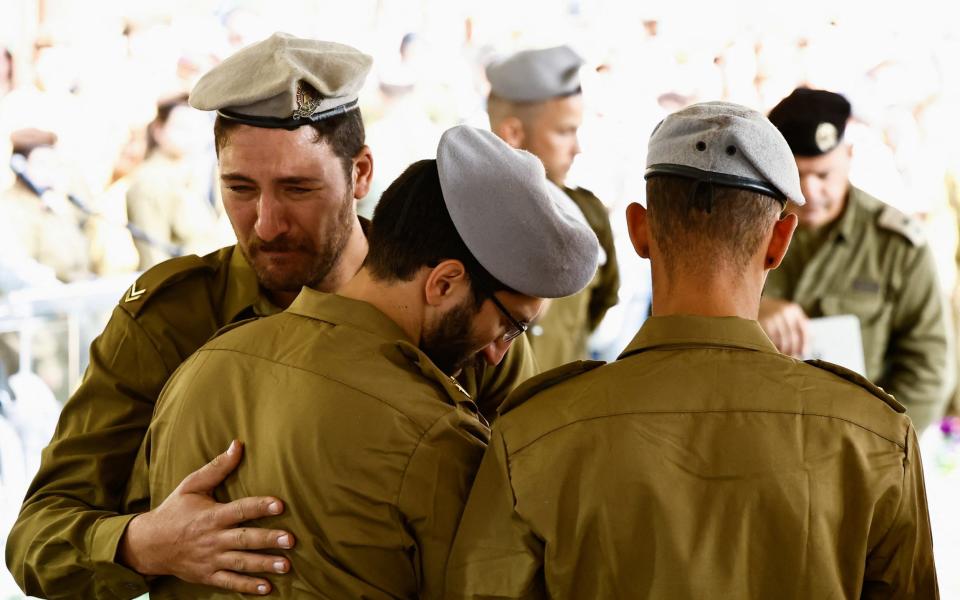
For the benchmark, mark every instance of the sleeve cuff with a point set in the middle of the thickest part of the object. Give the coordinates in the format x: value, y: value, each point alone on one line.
x: 110, y: 574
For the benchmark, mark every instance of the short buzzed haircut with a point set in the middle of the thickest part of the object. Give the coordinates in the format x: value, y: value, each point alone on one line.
x: 499, y: 109
x: 698, y: 225
x: 411, y: 229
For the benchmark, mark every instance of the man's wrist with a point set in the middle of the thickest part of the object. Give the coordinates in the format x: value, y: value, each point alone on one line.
x: 131, y: 551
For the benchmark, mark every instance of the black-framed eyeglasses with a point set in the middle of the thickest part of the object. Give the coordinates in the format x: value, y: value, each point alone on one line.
x: 516, y: 327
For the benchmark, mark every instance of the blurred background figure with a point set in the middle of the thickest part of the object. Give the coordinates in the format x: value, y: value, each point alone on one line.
x: 43, y: 222
x: 401, y: 132
x: 536, y: 104
x: 171, y: 194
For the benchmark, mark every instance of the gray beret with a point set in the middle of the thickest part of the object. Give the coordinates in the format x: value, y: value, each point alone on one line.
x: 284, y: 82
x: 536, y: 75
x: 499, y: 203
x: 726, y: 144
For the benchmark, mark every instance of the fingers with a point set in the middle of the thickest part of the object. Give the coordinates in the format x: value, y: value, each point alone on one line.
x: 252, y: 538
x: 247, y: 562
x: 214, y: 472
x: 796, y: 324
x: 240, y: 583
x: 245, y: 509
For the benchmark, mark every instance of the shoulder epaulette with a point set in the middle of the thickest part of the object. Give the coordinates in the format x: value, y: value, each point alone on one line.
x: 893, y: 220
x: 546, y: 380
x: 857, y: 378
x: 232, y: 326
x: 159, y: 277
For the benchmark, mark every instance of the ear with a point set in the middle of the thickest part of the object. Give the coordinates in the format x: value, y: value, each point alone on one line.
x: 362, y: 172
x: 510, y: 130
x: 637, y: 227
x: 446, y: 284
x: 783, y: 230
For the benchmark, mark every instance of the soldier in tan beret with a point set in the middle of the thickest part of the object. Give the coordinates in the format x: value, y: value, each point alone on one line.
x: 702, y: 463
x: 293, y: 162
x: 535, y: 103
x: 853, y: 254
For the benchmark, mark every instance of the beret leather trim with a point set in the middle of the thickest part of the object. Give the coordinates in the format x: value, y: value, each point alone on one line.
x: 292, y: 122
x: 734, y: 181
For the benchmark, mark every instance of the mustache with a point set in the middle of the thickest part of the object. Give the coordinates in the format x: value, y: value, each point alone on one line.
x: 283, y: 243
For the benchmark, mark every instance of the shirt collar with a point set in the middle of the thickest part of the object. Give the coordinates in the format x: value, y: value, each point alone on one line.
x: 691, y: 331
x: 244, y: 298
x: 340, y: 310
x: 847, y: 224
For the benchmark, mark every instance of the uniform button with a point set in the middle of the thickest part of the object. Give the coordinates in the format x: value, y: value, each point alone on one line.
x: 536, y: 330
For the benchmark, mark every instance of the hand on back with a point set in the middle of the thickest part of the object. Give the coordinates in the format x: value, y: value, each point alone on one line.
x: 193, y: 537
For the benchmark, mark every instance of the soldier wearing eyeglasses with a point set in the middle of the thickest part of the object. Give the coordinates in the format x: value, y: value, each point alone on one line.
x: 347, y: 401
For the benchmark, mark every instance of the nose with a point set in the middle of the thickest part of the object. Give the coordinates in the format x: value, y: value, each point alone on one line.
x: 494, y: 351
x: 271, y: 218
x: 576, y: 146
x: 810, y: 186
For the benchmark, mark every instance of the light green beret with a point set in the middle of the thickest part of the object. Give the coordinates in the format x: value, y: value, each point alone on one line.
x: 284, y: 82
x: 536, y: 75
x: 499, y: 201
x: 726, y: 144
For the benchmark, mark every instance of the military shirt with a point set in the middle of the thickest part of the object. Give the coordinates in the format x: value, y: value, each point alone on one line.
x: 65, y: 540
x: 560, y: 335
x: 700, y: 464
x: 371, y: 445
x: 874, y: 264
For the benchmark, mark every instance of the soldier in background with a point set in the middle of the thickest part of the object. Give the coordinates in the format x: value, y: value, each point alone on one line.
x: 536, y: 104
x: 169, y: 195
x: 853, y: 254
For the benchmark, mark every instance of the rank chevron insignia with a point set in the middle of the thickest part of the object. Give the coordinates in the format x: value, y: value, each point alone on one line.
x: 134, y: 293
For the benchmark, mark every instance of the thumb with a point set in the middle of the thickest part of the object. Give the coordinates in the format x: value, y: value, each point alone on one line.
x: 212, y: 474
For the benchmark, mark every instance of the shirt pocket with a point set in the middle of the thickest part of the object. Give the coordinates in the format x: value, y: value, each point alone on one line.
x: 875, y: 314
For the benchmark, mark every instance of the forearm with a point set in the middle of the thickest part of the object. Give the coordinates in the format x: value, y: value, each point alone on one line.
x: 65, y: 539
x: 63, y: 549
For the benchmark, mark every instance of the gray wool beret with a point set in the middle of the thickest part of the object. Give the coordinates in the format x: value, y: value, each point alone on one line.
x: 284, y: 82
x: 499, y: 203
x: 536, y: 75
x: 726, y: 144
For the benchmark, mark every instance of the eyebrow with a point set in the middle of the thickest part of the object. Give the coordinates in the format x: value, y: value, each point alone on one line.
x: 287, y: 180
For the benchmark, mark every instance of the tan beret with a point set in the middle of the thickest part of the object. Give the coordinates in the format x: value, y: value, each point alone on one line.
x: 284, y: 82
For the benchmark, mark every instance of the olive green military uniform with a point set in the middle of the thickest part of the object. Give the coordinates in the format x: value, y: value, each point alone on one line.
x: 370, y: 444
x: 65, y: 540
x: 700, y: 464
x: 560, y: 336
x: 873, y: 263
x: 168, y: 202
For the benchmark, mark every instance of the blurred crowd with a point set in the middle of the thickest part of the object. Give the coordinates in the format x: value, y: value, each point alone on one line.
x: 111, y: 171
x: 106, y: 170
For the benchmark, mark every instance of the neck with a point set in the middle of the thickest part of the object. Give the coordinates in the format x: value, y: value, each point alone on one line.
x: 716, y: 295
x: 349, y: 262
x: 398, y: 300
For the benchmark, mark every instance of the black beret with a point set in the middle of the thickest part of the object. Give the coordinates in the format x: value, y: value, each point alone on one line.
x: 812, y: 121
